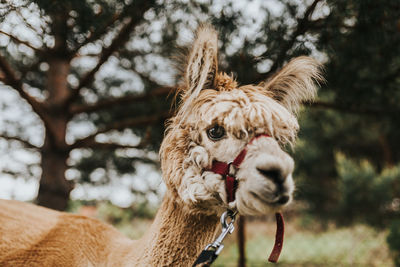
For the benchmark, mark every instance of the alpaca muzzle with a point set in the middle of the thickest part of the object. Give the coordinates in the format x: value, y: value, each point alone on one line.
x: 229, y: 170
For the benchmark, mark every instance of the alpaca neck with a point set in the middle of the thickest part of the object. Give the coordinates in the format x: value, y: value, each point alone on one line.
x: 176, y: 236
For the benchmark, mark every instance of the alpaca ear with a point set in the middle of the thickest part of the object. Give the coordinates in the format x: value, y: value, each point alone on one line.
x: 202, y: 63
x: 295, y: 83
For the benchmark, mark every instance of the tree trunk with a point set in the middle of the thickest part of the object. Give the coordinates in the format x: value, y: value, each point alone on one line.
x: 386, y: 151
x: 54, y: 189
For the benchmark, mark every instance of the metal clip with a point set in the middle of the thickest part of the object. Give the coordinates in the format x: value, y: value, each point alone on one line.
x: 227, y: 228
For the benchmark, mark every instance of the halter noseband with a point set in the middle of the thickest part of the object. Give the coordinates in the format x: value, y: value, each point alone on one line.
x: 229, y: 170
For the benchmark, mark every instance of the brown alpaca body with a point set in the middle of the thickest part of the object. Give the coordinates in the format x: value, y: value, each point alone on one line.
x: 215, y: 121
x: 35, y: 236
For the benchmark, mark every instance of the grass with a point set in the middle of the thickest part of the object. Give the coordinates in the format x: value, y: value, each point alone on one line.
x: 358, y: 245
x: 354, y: 246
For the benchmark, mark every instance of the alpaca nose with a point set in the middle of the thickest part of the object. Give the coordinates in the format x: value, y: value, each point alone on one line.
x: 278, y: 178
x: 282, y: 200
x: 275, y: 175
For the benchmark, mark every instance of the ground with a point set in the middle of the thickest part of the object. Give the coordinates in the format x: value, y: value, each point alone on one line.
x: 307, y: 241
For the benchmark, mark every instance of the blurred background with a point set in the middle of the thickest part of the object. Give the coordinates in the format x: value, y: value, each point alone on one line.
x: 86, y: 85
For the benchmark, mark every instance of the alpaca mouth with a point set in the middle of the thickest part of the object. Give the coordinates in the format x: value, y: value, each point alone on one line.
x: 280, y: 200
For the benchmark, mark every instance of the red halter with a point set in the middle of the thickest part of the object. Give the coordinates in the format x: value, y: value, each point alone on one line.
x: 228, y: 170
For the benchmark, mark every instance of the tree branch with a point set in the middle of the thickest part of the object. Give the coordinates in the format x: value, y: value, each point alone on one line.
x: 110, y: 145
x: 11, y: 79
x: 118, y: 42
x: 20, y: 41
x: 120, y: 125
x: 391, y: 76
x: 29, y: 25
x: 353, y: 110
x: 22, y: 141
x: 302, y: 26
x: 98, y: 32
x: 109, y: 103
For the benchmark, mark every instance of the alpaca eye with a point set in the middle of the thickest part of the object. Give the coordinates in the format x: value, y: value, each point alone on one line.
x: 216, y: 132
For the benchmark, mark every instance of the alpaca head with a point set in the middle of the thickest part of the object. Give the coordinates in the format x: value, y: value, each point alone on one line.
x: 218, y: 118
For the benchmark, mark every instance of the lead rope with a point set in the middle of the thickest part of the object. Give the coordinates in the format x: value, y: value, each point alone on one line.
x: 280, y: 232
x: 212, y: 250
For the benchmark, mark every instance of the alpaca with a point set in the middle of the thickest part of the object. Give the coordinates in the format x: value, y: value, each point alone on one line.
x: 216, y: 119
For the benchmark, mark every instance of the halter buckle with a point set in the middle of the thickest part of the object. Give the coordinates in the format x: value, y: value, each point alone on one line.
x: 232, y: 169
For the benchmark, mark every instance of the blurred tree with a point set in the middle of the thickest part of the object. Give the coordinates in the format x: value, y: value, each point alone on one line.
x: 367, y: 195
x: 393, y: 240
x: 104, y: 65
x: 53, y: 58
x: 361, y: 43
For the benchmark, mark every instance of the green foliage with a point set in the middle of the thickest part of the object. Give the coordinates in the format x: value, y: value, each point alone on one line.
x: 363, y: 45
x: 73, y: 206
x: 365, y: 194
x: 357, y: 39
x: 114, y: 215
x: 317, y: 183
x: 132, y: 221
x: 393, y: 240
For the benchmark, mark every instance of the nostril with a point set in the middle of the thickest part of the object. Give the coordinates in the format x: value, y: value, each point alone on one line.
x: 274, y: 174
x: 283, y: 200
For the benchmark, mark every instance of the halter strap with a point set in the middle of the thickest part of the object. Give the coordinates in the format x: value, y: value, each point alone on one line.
x: 228, y: 170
